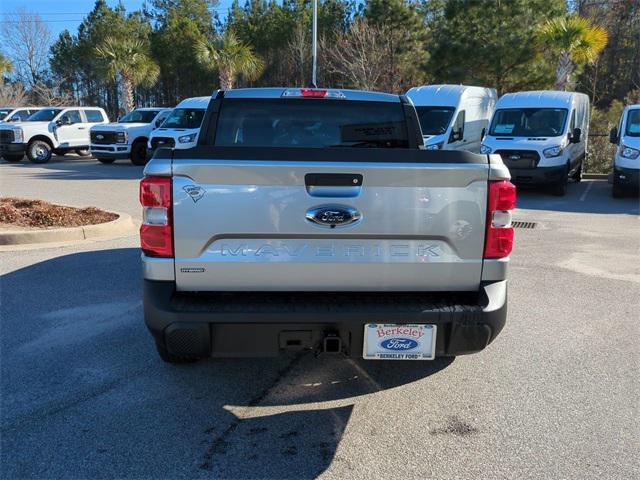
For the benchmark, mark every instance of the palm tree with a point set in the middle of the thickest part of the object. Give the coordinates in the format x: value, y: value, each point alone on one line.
x: 578, y: 41
x: 5, y: 67
x: 129, y: 60
x: 232, y: 58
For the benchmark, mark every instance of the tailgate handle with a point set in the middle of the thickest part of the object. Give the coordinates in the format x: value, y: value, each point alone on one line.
x: 333, y: 184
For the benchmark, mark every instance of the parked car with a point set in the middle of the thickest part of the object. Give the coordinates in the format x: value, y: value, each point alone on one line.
x: 626, y: 162
x: 50, y: 130
x: 314, y: 219
x: 453, y: 117
x: 127, y: 138
x: 541, y: 136
x: 16, y: 114
x: 181, y: 127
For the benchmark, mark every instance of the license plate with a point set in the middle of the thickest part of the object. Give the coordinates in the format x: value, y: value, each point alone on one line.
x: 399, y: 342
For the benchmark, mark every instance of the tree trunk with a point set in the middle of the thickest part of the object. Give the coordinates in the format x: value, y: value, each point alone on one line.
x: 127, y: 87
x: 226, y: 78
x: 564, y: 71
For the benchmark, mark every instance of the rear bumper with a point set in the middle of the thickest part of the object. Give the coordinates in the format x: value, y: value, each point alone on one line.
x: 245, y: 324
x: 13, y: 148
x: 538, y: 175
x: 627, y: 177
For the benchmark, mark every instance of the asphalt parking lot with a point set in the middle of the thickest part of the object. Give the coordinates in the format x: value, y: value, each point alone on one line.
x: 84, y: 394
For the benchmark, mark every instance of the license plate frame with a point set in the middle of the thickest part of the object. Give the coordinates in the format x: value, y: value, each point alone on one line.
x: 398, y: 338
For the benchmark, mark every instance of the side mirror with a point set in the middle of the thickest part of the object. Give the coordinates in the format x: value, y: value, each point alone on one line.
x: 576, y: 135
x: 613, y: 135
x: 158, y: 123
x: 63, y: 121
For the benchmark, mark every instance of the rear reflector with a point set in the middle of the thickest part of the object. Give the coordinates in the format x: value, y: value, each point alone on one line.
x: 156, y: 232
x: 500, y: 202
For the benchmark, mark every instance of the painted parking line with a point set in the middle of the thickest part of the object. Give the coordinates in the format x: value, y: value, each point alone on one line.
x: 586, y: 191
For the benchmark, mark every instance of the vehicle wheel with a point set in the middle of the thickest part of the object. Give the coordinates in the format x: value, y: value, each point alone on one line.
x: 577, y: 176
x: 83, y: 152
x: 617, y: 191
x: 106, y: 160
x: 171, y: 358
x: 12, y: 158
x: 39, y: 151
x: 139, y: 153
x: 560, y: 187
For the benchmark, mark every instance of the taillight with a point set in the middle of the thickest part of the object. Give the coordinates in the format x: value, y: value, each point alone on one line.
x: 500, y: 204
x: 156, y: 232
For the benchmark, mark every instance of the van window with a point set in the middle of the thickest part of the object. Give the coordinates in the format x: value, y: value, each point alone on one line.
x: 434, y: 120
x: 529, y: 122
x: 633, y: 123
x: 457, y: 130
x: 94, y: 116
x: 311, y: 123
x: 184, y: 118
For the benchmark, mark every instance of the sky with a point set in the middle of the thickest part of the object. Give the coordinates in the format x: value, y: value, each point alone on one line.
x: 68, y: 14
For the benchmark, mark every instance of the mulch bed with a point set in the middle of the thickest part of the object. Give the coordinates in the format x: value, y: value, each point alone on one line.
x: 38, y: 214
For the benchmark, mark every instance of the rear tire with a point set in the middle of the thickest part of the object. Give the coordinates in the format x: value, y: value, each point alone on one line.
x: 83, y: 152
x: 577, y: 176
x: 171, y: 358
x: 106, y: 160
x: 139, y: 153
x: 39, y: 151
x: 12, y: 158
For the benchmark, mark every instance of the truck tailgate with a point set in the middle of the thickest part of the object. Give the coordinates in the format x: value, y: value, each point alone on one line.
x: 242, y: 224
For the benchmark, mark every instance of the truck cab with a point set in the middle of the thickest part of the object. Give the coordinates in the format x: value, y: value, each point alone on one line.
x: 127, y: 138
x: 50, y: 130
x: 314, y: 219
x: 626, y: 161
x: 16, y: 114
x: 181, y: 127
x: 453, y: 117
x: 541, y: 136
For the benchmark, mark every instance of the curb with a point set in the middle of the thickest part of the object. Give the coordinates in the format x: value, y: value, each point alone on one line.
x: 120, y: 227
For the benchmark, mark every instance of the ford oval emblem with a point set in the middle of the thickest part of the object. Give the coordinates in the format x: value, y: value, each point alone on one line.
x: 99, y: 137
x: 333, y: 215
x: 514, y: 157
x: 399, y: 344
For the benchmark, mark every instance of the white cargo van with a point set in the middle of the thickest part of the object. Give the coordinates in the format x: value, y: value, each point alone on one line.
x: 180, y: 129
x: 541, y: 136
x: 453, y: 117
x: 626, y: 162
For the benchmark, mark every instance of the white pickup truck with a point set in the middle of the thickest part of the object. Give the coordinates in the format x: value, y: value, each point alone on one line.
x: 56, y: 130
x: 128, y: 137
x: 16, y: 114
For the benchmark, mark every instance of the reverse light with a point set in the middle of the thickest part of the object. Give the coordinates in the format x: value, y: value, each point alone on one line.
x: 156, y: 232
x: 312, y: 93
x: 187, y: 138
x: 500, y: 204
x: 485, y: 149
x: 628, y: 152
x: 552, y: 152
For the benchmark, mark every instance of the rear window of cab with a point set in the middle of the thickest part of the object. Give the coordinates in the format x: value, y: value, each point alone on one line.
x: 311, y: 123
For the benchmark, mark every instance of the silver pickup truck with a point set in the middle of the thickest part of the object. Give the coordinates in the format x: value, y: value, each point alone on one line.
x: 310, y: 219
